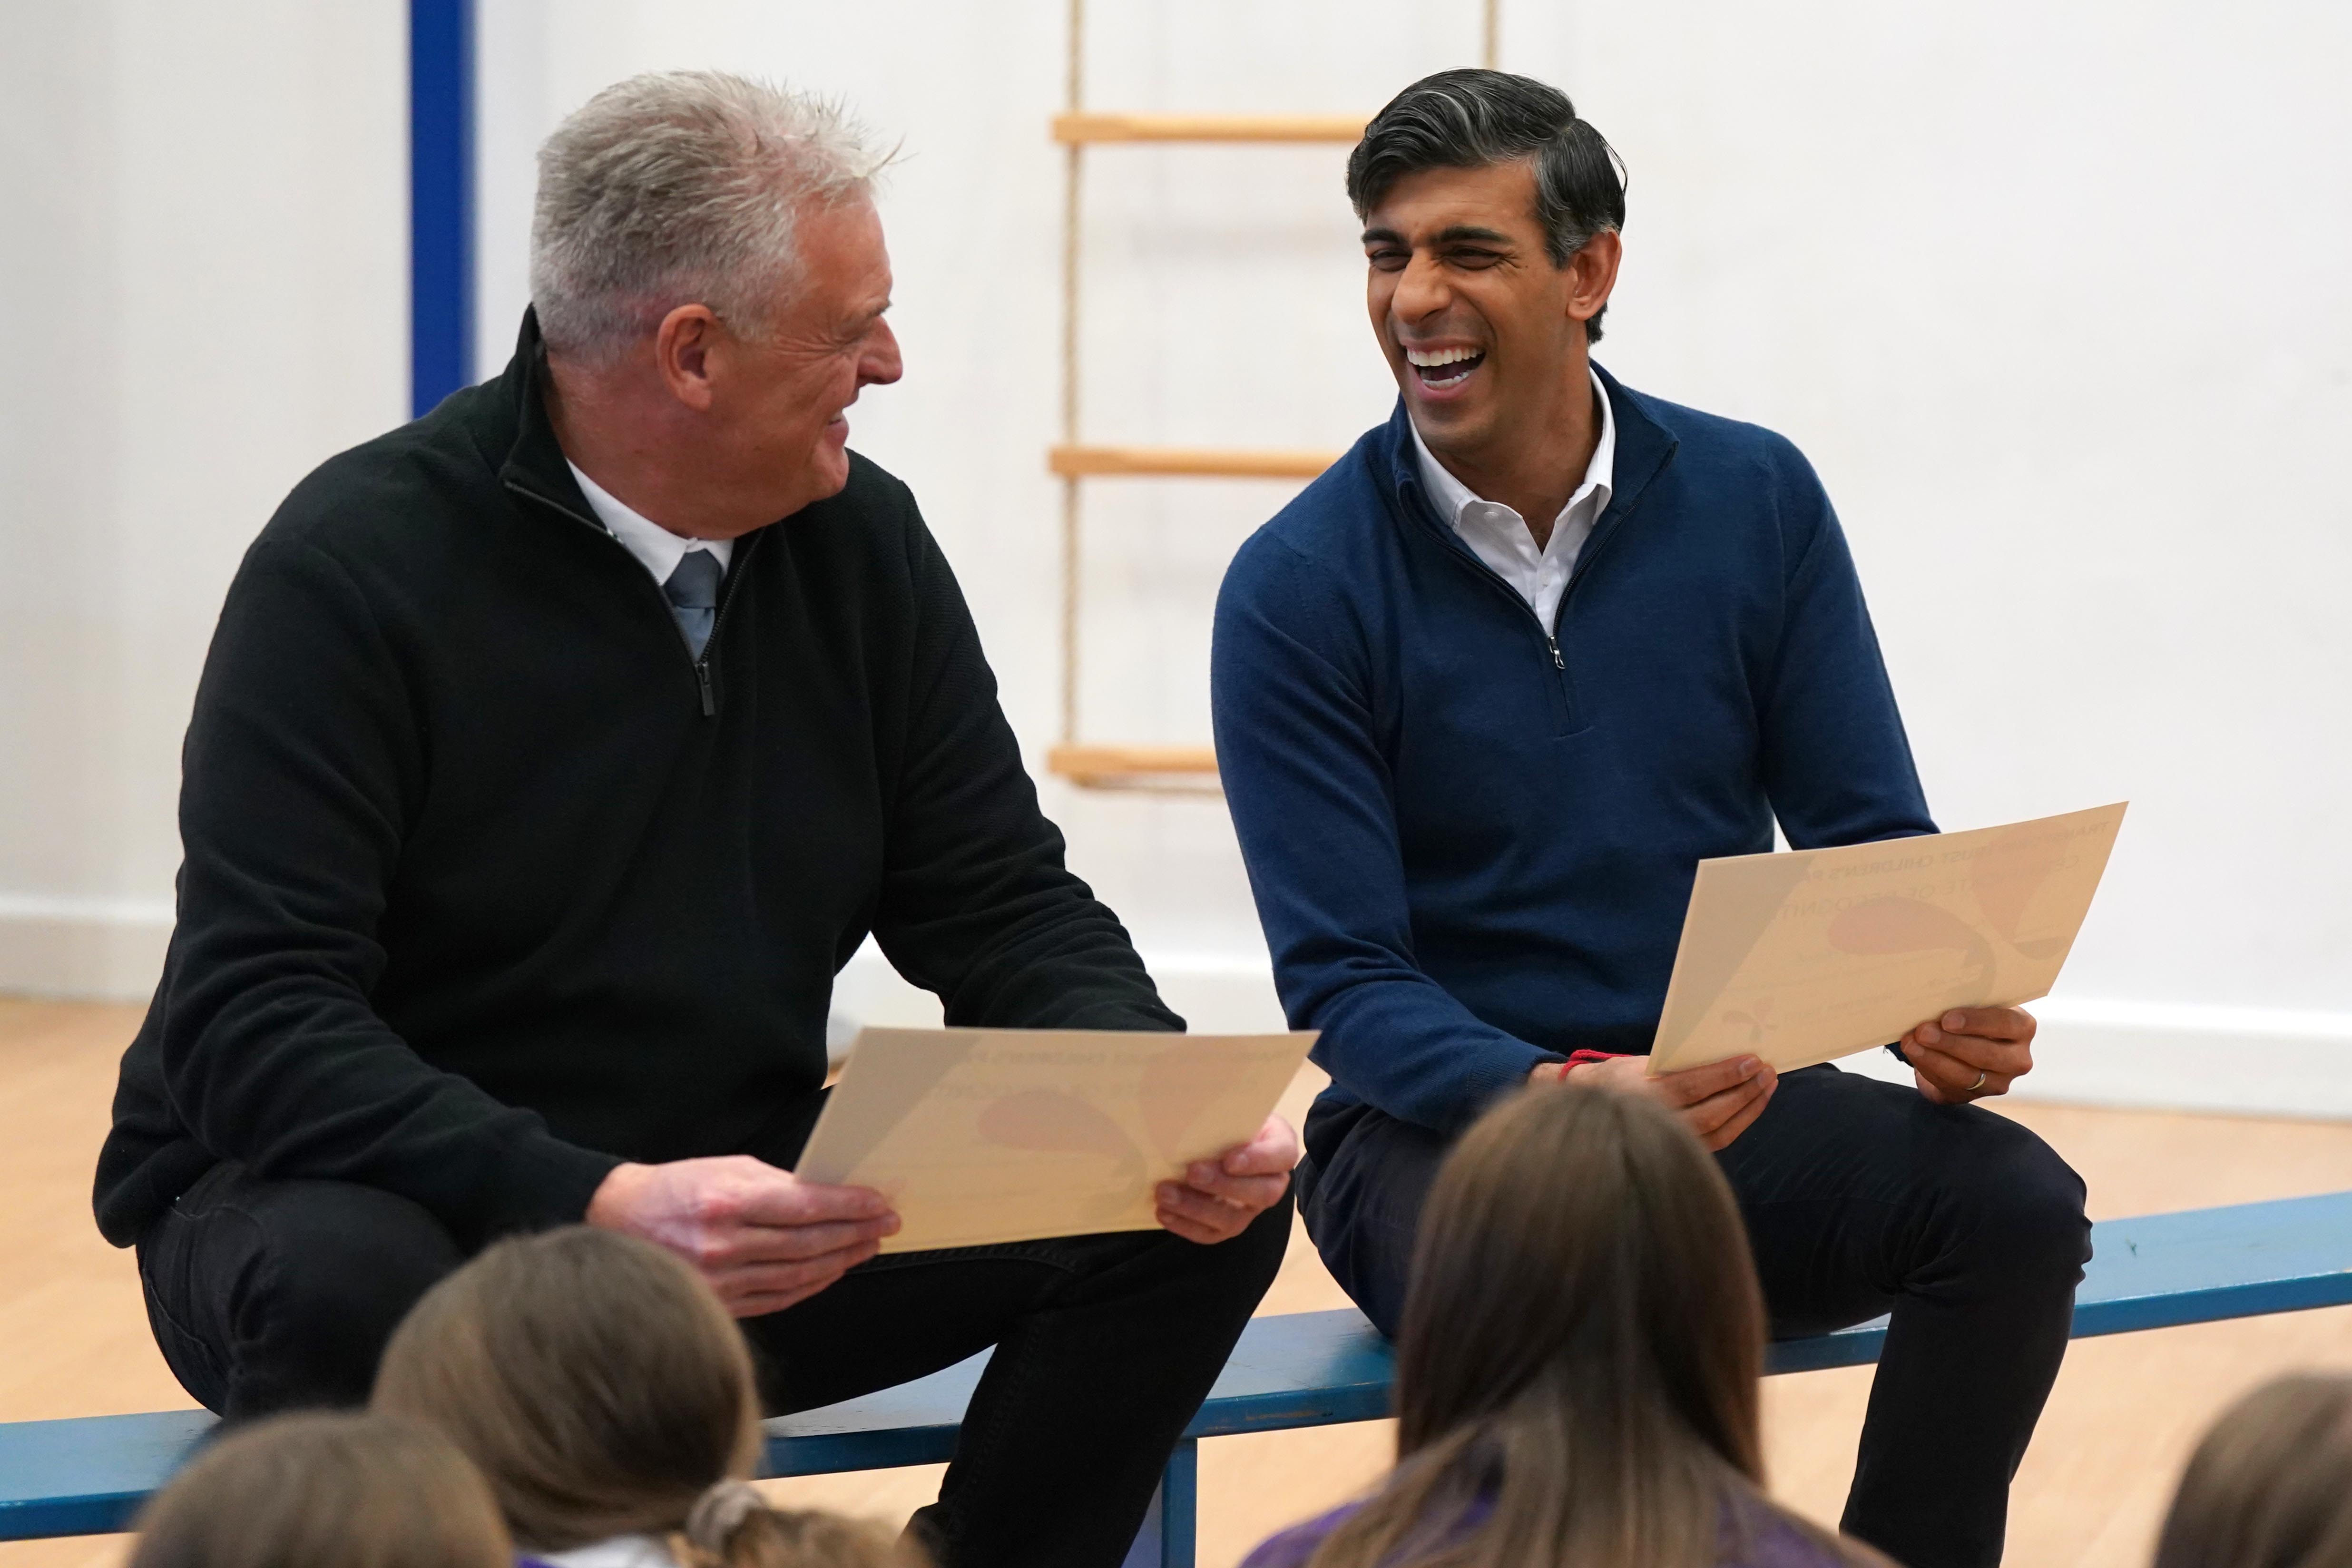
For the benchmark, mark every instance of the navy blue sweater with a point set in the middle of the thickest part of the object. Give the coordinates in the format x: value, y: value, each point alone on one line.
x: 1470, y: 854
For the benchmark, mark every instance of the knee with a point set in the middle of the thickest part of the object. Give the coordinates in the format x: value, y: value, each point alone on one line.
x: 2022, y: 1204
x: 362, y: 1259
x: 1266, y: 1241
x: 341, y: 1270
x: 1238, y: 1270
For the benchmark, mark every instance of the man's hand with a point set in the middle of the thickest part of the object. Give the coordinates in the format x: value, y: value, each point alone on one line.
x: 1970, y: 1053
x: 1218, y: 1198
x: 1718, y: 1102
x: 763, y: 1237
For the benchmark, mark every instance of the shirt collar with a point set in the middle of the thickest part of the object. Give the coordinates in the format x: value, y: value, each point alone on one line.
x: 649, y: 541
x: 617, y: 1552
x: 1450, y: 495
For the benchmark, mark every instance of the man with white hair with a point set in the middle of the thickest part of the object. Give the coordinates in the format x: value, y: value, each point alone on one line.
x: 553, y: 754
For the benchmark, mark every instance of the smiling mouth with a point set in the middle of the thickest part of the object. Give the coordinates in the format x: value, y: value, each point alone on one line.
x: 1441, y: 369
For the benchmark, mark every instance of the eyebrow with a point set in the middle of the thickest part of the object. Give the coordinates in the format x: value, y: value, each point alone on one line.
x: 1454, y: 233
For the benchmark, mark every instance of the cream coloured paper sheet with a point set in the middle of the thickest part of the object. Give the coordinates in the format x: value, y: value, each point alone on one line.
x: 1812, y: 954
x: 983, y: 1136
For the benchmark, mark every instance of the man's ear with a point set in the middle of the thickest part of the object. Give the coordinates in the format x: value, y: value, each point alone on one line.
x: 683, y: 349
x: 1592, y: 274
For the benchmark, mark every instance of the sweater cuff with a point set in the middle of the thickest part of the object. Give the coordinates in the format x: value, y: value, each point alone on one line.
x: 545, y: 1183
x: 1496, y: 1072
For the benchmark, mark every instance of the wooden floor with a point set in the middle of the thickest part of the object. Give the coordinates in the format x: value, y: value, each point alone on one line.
x: 2124, y: 1415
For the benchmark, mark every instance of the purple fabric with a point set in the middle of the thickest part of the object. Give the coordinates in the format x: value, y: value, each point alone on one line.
x: 1291, y: 1548
x: 1772, y: 1543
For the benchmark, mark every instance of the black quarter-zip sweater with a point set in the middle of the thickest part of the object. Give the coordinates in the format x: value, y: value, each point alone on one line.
x: 488, y: 884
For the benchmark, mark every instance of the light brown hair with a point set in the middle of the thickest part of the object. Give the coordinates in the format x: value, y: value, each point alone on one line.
x: 297, y: 1491
x: 1577, y: 1378
x: 604, y: 1391
x: 2271, y: 1484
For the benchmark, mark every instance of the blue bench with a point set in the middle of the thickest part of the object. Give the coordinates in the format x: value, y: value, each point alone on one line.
x: 1308, y: 1369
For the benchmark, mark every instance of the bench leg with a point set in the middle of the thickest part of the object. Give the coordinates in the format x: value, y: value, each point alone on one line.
x: 1166, y: 1540
x: 1180, y: 1504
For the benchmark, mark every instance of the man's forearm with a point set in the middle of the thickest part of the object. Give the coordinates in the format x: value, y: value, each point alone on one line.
x: 1407, y: 1048
x: 299, y: 1079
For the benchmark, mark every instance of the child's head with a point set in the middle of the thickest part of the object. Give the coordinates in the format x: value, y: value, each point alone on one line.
x: 1582, y: 1341
x: 1581, y: 1250
x: 603, y: 1391
x: 359, y: 1491
x: 2271, y: 1485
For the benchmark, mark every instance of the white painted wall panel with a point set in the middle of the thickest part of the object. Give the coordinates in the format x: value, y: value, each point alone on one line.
x: 205, y: 294
x: 2048, y: 291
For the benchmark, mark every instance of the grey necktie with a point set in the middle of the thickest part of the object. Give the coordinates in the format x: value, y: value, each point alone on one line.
x: 693, y: 594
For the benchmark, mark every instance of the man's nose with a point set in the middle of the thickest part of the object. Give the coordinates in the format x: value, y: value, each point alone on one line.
x: 880, y: 365
x: 1421, y: 291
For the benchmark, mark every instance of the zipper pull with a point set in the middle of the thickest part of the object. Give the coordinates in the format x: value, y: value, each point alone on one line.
x: 711, y: 698
x: 1557, y: 662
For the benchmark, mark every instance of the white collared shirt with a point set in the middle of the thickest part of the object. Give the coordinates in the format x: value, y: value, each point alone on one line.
x: 1500, y: 537
x: 617, y: 1552
x: 649, y: 541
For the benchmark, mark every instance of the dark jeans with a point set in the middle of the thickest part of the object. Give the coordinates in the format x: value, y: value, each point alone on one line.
x: 268, y: 1294
x: 1860, y: 1198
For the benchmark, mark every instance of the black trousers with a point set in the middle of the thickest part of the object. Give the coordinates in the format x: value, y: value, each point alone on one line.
x: 1860, y: 1198
x: 271, y: 1295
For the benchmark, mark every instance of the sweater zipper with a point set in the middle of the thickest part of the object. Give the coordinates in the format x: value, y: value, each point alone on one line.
x: 743, y: 548
x: 1592, y: 547
x: 1585, y: 557
x: 706, y: 690
x: 1461, y: 552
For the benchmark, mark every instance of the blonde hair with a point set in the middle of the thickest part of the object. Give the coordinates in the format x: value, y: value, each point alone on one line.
x: 2271, y: 1484
x: 297, y: 1491
x: 604, y: 1391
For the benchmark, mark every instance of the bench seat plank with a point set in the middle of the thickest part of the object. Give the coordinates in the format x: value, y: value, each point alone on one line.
x: 89, y: 1475
x: 2158, y: 1271
x: 1303, y: 1369
x: 1299, y: 1369
x: 1313, y: 1369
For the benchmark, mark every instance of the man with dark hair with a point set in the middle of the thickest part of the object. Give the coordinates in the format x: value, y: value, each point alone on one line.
x: 1485, y: 694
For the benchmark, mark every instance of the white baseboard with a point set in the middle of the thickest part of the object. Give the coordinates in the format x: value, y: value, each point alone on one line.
x: 2150, y: 1054
x: 109, y: 949
x: 2165, y: 1056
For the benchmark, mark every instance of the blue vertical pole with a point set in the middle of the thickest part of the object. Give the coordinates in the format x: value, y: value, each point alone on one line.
x: 1172, y: 1523
x: 440, y: 199
x: 1180, y: 1505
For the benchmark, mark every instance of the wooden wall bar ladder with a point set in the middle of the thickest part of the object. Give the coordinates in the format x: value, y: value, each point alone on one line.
x: 1150, y: 767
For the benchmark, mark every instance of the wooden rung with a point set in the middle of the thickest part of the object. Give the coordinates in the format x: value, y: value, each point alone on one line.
x: 1121, y: 764
x: 1077, y: 128
x: 1075, y: 462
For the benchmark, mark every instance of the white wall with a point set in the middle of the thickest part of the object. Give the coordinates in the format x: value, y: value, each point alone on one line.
x: 205, y: 293
x: 2048, y: 291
